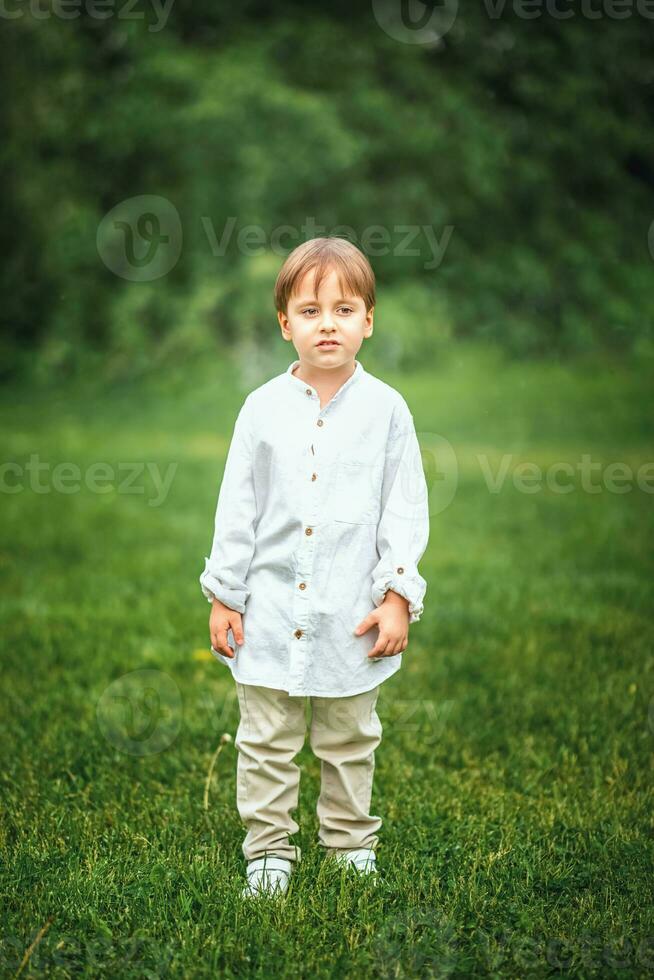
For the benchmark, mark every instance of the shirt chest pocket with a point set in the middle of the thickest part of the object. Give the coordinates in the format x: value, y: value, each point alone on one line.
x: 356, y: 493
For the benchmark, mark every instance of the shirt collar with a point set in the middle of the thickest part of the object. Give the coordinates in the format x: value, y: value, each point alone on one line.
x: 358, y: 373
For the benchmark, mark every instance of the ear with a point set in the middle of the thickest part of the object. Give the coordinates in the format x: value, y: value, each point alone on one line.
x: 369, y: 321
x: 284, y: 324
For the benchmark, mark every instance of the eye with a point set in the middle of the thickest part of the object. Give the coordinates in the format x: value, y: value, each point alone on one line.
x: 346, y: 309
x: 310, y: 310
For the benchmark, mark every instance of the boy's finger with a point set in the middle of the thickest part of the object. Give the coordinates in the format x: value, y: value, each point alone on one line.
x: 380, y: 648
x: 226, y: 651
x: 364, y: 625
x: 221, y: 643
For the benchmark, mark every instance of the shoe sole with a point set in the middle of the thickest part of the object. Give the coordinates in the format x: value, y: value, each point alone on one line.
x: 371, y: 874
x: 263, y: 892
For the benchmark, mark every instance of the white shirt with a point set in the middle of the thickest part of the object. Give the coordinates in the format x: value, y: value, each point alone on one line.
x: 320, y: 512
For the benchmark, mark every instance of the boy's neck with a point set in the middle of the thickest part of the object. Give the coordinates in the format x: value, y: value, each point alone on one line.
x: 325, y: 380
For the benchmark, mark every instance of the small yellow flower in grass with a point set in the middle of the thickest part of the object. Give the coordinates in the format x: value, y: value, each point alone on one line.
x: 202, y: 655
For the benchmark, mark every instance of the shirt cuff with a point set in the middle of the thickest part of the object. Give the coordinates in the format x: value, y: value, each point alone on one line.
x: 411, y: 586
x: 213, y: 588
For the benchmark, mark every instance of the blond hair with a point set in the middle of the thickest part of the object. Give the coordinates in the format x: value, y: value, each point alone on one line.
x: 323, y: 254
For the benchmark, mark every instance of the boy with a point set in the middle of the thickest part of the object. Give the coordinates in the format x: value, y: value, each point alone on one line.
x: 322, y: 518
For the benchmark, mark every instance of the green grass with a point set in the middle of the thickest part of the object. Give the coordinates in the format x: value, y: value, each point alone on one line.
x: 514, y: 778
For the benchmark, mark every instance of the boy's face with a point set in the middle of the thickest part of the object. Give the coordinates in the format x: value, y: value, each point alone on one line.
x: 330, y: 316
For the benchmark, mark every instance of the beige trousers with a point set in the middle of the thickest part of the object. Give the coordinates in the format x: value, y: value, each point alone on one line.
x: 344, y: 734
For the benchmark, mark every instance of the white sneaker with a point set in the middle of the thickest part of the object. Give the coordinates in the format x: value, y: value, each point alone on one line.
x: 267, y: 875
x: 361, y: 858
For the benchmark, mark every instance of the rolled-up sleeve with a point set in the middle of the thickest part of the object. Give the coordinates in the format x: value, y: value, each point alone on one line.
x: 403, y: 529
x: 225, y: 572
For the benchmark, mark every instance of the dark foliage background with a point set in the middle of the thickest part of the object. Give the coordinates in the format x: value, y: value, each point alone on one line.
x: 527, y: 141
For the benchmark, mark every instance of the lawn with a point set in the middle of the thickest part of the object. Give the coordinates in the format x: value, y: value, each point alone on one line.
x: 514, y: 777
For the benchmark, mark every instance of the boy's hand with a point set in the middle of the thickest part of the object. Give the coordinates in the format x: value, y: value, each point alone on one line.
x: 221, y: 619
x: 392, y: 617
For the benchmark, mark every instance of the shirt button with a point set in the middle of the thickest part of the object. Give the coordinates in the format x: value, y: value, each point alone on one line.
x: 320, y: 422
x: 298, y: 634
x: 314, y: 476
x: 302, y: 585
x: 308, y: 531
x: 400, y: 570
x: 308, y: 390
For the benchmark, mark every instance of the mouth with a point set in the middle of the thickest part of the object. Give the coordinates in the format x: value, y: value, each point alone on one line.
x: 328, y: 344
